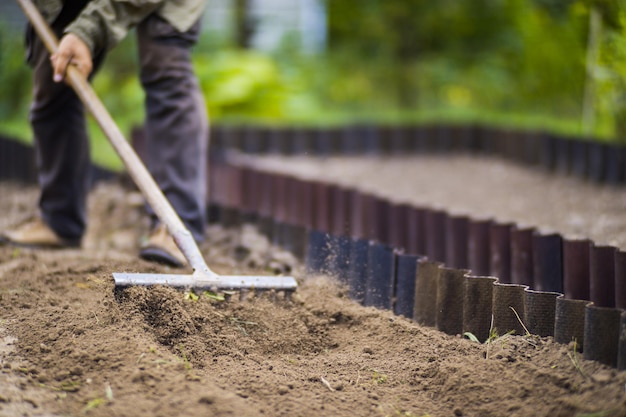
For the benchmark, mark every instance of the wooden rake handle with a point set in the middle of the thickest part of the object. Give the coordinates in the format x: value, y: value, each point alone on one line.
x: 135, y: 167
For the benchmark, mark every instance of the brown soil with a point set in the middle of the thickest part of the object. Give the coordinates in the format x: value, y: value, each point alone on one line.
x: 479, y: 187
x: 71, y: 345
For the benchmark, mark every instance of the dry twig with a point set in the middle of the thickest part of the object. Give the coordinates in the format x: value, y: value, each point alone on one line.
x: 327, y: 384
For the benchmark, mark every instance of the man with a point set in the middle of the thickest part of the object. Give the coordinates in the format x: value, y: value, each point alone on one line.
x: 176, y: 117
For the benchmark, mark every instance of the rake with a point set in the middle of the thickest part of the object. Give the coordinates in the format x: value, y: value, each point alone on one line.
x: 202, y: 278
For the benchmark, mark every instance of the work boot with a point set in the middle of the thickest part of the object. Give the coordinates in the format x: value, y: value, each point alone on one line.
x: 36, y: 233
x: 161, y: 248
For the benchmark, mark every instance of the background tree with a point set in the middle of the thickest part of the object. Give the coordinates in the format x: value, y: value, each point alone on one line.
x: 244, y: 25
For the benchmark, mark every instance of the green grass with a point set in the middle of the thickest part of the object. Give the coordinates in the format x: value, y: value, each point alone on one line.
x: 102, y: 153
x: 17, y: 128
x: 449, y: 115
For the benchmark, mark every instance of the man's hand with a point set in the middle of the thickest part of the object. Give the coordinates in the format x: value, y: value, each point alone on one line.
x: 72, y: 51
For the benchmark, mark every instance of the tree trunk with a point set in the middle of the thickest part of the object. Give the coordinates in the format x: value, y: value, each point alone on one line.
x: 593, y: 48
x: 244, y: 26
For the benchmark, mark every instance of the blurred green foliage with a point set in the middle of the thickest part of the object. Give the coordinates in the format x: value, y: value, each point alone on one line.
x: 507, y: 55
x: 611, y: 78
x: 15, y: 83
x: 508, y: 62
x: 241, y: 82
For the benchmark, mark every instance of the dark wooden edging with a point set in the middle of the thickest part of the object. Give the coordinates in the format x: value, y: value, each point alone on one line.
x: 441, y: 270
x: 18, y: 163
x: 589, y: 159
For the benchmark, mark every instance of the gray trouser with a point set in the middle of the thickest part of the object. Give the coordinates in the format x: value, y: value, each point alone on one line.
x: 176, y: 128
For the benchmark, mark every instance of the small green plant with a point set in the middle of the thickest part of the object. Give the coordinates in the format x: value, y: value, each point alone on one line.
x: 520, y: 321
x: 471, y: 337
x: 494, y: 337
x: 93, y: 404
x: 214, y: 296
x: 378, y: 377
x: 99, y: 401
x: 183, y: 354
x: 573, y: 356
x: 239, y: 323
x: 70, y: 386
x: 191, y: 295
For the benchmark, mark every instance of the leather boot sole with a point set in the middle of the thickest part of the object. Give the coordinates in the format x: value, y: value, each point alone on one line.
x: 159, y: 255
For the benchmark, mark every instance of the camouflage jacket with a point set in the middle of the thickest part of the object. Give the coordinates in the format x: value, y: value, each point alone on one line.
x: 103, y: 23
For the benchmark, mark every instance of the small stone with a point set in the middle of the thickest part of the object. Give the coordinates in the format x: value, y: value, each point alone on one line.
x: 31, y: 402
x: 603, y: 376
x: 282, y: 390
x: 368, y: 350
x: 193, y: 377
x: 206, y: 399
x: 61, y: 375
x: 458, y: 412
